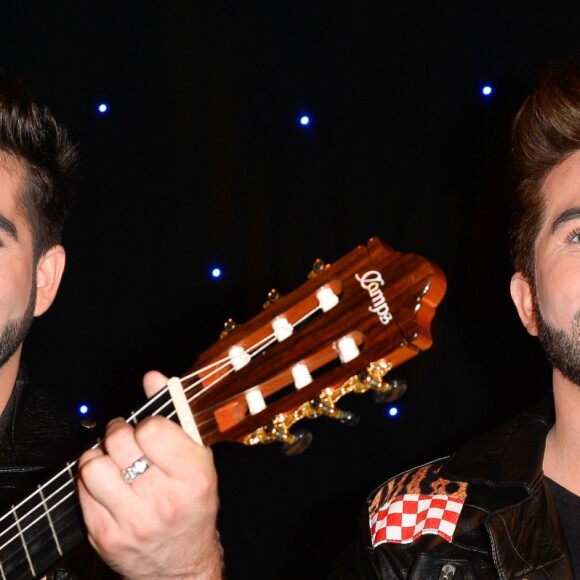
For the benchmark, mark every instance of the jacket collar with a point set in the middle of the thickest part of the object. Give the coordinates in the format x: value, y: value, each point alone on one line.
x: 511, y: 455
x: 525, y: 532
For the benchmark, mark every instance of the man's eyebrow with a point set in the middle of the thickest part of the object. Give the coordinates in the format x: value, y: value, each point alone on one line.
x: 570, y: 214
x: 7, y: 226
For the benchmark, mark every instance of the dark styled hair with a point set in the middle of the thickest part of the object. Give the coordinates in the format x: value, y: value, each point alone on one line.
x: 546, y: 131
x: 30, y: 134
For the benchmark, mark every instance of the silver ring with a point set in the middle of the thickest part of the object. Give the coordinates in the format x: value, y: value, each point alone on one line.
x: 136, y: 468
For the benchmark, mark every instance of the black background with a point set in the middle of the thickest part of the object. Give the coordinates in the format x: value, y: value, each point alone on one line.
x: 201, y: 159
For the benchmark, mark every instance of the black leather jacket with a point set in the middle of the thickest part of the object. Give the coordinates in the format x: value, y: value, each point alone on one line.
x: 508, y: 527
x: 37, y: 436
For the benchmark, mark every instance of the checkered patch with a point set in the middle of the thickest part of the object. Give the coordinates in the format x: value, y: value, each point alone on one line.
x: 406, y: 517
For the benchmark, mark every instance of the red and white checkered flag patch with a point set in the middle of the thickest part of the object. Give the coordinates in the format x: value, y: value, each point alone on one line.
x: 406, y: 517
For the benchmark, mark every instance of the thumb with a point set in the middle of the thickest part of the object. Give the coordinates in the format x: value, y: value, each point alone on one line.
x: 153, y: 381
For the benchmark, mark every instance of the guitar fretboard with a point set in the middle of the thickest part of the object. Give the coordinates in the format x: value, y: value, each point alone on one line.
x: 48, y: 524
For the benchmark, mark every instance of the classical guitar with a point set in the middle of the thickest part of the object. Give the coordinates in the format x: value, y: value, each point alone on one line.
x: 340, y: 332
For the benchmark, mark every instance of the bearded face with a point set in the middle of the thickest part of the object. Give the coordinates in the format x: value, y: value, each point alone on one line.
x: 562, y: 349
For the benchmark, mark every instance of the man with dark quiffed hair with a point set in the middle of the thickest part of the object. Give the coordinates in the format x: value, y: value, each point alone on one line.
x: 507, y: 505
x: 141, y: 489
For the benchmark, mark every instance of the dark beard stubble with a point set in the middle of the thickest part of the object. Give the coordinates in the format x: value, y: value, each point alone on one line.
x: 16, y: 329
x: 562, y: 350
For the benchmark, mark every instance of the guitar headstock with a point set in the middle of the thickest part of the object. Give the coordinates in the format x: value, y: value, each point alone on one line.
x: 341, y: 331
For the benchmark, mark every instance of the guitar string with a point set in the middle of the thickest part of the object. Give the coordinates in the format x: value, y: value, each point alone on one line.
x: 256, y: 349
x: 218, y: 366
x: 265, y: 343
x: 68, y: 481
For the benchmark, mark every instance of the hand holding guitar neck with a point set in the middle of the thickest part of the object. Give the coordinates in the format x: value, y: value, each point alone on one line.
x: 162, y: 525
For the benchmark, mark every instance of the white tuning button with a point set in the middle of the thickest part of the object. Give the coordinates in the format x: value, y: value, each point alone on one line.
x: 239, y: 358
x: 347, y: 349
x: 282, y: 328
x: 301, y: 375
x: 327, y: 299
x: 255, y: 401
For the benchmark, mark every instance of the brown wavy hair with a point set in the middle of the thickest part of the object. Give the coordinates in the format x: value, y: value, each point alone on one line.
x: 30, y: 134
x: 546, y: 131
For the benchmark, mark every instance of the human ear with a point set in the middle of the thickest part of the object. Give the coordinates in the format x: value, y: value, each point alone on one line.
x: 49, y: 271
x: 522, y: 295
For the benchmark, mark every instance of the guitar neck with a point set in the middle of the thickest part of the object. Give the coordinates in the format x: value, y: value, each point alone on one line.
x: 48, y: 524
x: 42, y: 528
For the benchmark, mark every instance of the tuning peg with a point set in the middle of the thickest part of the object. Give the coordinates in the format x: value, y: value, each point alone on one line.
x: 346, y: 417
x: 297, y: 442
x: 394, y: 389
x: 317, y: 267
x: 324, y: 405
x: 229, y: 325
x: 273, y: 296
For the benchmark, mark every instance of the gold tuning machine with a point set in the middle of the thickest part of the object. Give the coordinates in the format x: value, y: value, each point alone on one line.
x: 324, y: 405
x: 317, y: 267
x: 278, y: 430
x: 273, y: 296
x: 229, y: 326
